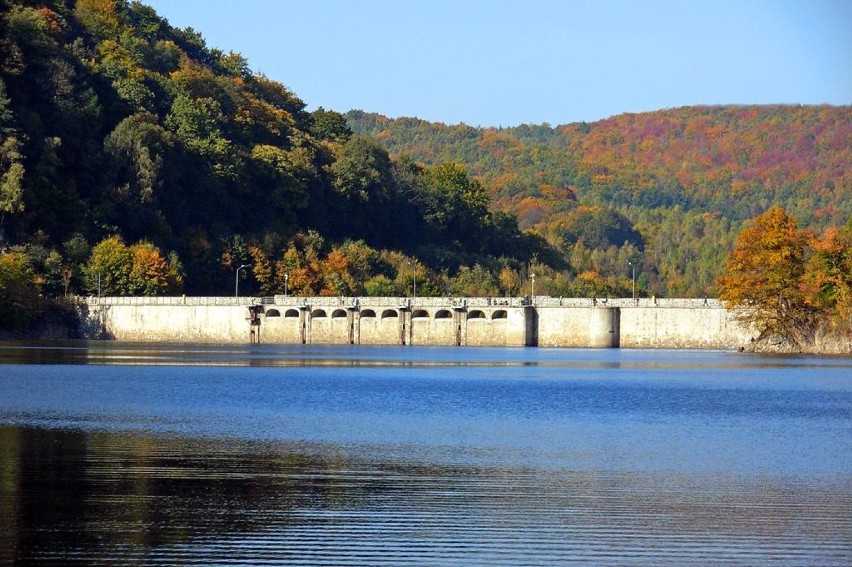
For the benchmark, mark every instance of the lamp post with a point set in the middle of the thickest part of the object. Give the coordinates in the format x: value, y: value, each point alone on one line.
x: 413, y: 265
x: 237, y: 281
x: 286, y: 278
x: 532, y: 286
x: 633, y: 277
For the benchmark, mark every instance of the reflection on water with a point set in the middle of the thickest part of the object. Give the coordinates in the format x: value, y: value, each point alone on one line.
x: 133, y: 454
x: 178, y: 354
x: 126, y: 498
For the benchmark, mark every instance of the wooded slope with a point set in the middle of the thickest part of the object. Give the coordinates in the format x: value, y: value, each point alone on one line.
x: 685, y: 178
x: 115, y: 123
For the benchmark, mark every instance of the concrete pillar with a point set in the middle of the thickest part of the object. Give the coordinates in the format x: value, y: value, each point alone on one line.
x: 604, y: 327
x: 355, y: 318
x: 530, y: 315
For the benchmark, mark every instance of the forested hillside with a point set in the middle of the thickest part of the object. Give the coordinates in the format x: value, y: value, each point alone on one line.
x: 136, y: 159
x: 683, y: 179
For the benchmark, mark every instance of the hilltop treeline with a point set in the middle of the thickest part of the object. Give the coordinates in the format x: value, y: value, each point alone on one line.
x: 121, y: 132
x: 684, y: 180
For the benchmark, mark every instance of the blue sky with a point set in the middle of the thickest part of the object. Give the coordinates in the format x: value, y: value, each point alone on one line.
x: 501, y: 63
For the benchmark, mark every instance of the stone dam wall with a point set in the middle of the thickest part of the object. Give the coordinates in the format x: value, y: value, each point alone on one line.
x: 538, y: 321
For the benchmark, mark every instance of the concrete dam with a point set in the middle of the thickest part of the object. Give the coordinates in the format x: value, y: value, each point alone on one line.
x: 440, y: 321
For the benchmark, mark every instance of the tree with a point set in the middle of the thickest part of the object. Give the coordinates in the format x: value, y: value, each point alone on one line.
x: 763, y: 277
x: 453, y: 202
x: 108, y: 270
x: 11, y: 176
x: 20, y: 304
x: 261, y: 268
x: 335, y: 274
x: 150, y: 273
x: 76, y: 252
x: 592, y: 284
x: 141, y: 269
x: 11, y: 166
x: 509, y: 281
x: 281, y: 179
x: 363, y: 181
x: 329, y: 125
x: 380, y: 286
x: 599, y: 228
x: 136, y: 146
x: 473, y: 282
x: 196, y: 123
x: 828, y: 275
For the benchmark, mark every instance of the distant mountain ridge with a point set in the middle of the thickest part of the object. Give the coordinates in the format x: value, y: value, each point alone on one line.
x: 684, y: 178
x: 734, y: 160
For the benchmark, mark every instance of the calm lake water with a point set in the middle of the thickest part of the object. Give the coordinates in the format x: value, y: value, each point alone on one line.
x: 266, y: 455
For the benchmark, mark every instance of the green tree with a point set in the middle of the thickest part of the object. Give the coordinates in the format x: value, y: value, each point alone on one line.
x: 20, y: 301
x: 76, y: 252
x: 363, y: 180
x: 176, y: 273
x: 53, y: 274
x: 599, y: 228
x: 453, y: 203
x: 11, y: 177
x: 108, y: 270
x: 329, y: 125
x: 473, y: 282
x: 380, y: 286
x: 281, y: 180
x: 197, y: 124
x: 138, y: 145
x: 11, y: 162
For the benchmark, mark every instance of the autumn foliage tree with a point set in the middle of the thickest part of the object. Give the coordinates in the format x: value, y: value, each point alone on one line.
x: 763, y: 276
x: 828, y: 276
x: 117, y: 269
x: 151, y: 273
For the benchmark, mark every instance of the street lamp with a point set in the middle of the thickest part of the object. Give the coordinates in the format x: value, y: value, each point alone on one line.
x: 633, y: 277
x: 414, y: 271
x: 532, y: 286
x: 286, y: 277
x: 237, y: 282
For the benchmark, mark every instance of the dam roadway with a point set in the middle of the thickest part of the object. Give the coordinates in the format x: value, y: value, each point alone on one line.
x: 439, y: 321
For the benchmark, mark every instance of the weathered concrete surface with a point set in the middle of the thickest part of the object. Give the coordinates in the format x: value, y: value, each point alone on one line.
x: 282, y: 325
x: 170, y: 323
x: 680, y: 327
x: 540, y: 321
x: 436, y: 326
x: 377, y: 326
x: 578, y: 326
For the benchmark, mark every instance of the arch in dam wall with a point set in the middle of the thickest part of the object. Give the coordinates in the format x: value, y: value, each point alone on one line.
x: 547, y: 322
x: 430, y: 324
